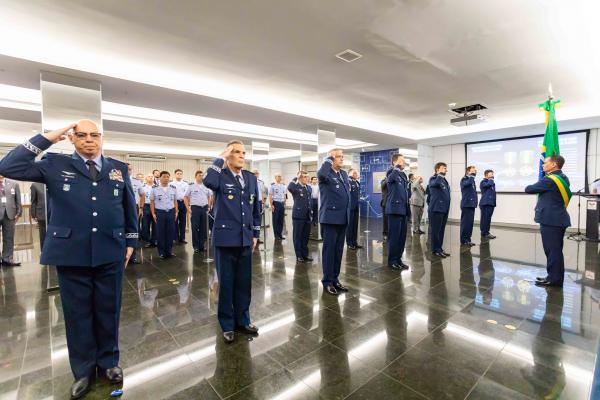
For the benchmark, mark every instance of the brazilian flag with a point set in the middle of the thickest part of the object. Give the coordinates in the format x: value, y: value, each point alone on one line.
x: 550, y: 147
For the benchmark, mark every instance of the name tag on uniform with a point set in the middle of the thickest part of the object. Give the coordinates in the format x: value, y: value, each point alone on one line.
x: 66, y: 187
x: 3, y: 200
x: 116, y: 192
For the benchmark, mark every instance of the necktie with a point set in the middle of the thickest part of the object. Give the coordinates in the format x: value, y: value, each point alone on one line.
x: 93, y: 171
x: 239, y: 179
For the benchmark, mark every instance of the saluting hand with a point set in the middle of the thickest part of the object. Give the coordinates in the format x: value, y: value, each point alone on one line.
x: 226, y: 153
x: 128, y: 254
x: 59, y: 134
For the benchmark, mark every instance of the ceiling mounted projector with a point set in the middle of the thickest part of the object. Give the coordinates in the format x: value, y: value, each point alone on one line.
x: 467, y: 115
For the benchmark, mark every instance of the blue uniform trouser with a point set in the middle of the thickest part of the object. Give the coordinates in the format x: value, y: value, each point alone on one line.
x: 165, y: 226
x: 315, y: 211
x: 333, y: 247
x: 148, y: 226
x: 397, y: 226
x: 180, y: 221
x: 301, y: 232
x: 486, y: 219
x: 278, y: 214
x: 467, y: 216
x: 199, y: 221
x: 352, y: 230
x: 552, y: 240
x: 437, y: 220
x: 234, y: 268
x: 91, y: 301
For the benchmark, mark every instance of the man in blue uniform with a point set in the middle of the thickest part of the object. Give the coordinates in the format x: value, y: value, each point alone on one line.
x: 136, y: 186
x: 164, y: 208
x: 198, y: 200
x: 235, y: 234
x: 181, y: 218
x: 90, y: 237
x: 468, y: 203
x: 277, y: 203
x: 301, y: 193
x: 397, y: 209
x: 487, y: 203
x: 551, y: 213
x: 334, y: 192
x: 352, y: 230
x: 439, y: 206
x: 148, y: 223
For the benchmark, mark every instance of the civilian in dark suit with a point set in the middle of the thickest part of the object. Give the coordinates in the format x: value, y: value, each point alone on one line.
x: 38, y: 209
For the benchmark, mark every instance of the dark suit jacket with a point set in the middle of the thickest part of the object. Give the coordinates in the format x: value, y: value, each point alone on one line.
x: 550, y: 208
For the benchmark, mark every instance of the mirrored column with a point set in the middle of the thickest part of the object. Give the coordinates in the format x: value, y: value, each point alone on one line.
x: 259, y: 154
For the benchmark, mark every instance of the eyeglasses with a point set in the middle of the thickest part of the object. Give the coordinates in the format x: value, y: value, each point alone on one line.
x: 83, y: 135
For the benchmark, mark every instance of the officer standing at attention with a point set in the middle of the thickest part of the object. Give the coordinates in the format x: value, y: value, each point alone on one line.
x: 487, y: 203
x: 551, y: 213
x: 10, y: 212
x: 38, y: 209
x: 439, y: 206
x: 468, y: 203
x: 302, y: 194
x: 91, y: 235
x: 198, y: 200
x: 397, y: 209
x: 352, y: 230
x: 136, y: 185
x: 334, y: 192
x: 181, y: 219
x: 164, y: 208
x: 314, y: 186
x: 277, y: 203
x: 148, y: 223
x: 235, y: 234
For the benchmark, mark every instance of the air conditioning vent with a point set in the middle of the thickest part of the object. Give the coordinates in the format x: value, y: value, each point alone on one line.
x: 348, y: 55
x: 146, y: 157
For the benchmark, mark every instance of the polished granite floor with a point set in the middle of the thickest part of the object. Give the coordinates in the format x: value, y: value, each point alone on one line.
x: 472, y: 326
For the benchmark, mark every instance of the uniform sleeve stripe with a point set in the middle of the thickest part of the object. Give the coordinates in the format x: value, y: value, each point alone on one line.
x: 215, y: 168
x: 131, y: 235
x: 31, y: 147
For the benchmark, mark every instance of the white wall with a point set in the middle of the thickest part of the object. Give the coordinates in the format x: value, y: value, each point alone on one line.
x: 511, y: 208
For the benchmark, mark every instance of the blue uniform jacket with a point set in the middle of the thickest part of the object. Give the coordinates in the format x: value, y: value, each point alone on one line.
x: 302, y: 200
x: 236, y: 210
x: 439, y: 194
x: 488, y: 192
x: 91, y: 222
x: 334, y: 194
x: 469, y: 192
x: 354, y: 194
x: 550, y: 208
x: 398, y: 192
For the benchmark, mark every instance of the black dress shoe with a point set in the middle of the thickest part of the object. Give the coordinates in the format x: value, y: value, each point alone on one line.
x: 299, y: 259
x: 439, y: 254
x: 182, y: 242
x: 259, y: 241
x: 148, y: 245
x: 135, y: 261
x: 472, y: 244
x: 404, y: 266
x: 161, y: 255
x: 352, y: 247
x: 196, y: 251
x: 421, y: 232
x: 466, y: 244
x: 539, y: 278
x: 340, y: 288
x: 548, y: 284
x: 228, y: 337
x: 248, y: 329
x: 489, y: 236
x: 308, y: 259
x: 395, y: 266
x: 446, y: 254
x: 11, y: 264
x: 80, y: 387
x: 331, y: 290
x: 114, y: 374
x: 358, y: 246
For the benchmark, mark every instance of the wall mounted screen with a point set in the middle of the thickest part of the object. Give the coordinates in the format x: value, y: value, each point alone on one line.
x: 516, y: 161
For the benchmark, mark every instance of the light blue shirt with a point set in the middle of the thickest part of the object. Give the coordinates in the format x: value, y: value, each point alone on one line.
x: 147, y: 189
x: 137, y: 189
x: 181, y: 187
x: 198, y: 194
x: 97, y: 161
x: 277, y: 190
x: 164, y: 199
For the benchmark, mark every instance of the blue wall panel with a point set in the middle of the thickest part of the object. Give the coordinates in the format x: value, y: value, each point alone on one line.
x: 373, y: 161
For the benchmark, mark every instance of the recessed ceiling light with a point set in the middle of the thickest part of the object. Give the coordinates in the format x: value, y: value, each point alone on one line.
x: 348, y: 55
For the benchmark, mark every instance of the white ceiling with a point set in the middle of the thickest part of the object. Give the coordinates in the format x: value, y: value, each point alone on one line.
x: 277, y: 58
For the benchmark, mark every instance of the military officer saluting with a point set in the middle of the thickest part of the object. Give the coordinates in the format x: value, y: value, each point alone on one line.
x: 164, y: 208
x: 468, y: 203
x: 352, y: 229
x: 277, y: 203
x: 397, y: 209
x: 487, y: 203
x: 90, y: 236
x: 301, y: 193
x: 439, y: 207
x: 554, y: 194
x: 334, y: 192
x: 148, y: 223
x: 235, y: 234
x: 198, y: 200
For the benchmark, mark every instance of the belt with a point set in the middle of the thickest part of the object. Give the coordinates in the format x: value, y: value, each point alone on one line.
x: 170, y: 209
x: 204, y: 206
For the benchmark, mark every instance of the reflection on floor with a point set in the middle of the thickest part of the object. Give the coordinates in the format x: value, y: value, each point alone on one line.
x: 470, y: 326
